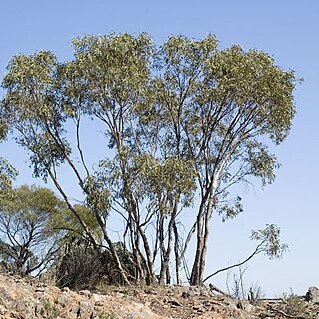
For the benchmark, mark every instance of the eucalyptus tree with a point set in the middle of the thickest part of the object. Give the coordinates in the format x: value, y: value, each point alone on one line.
x: 220, y: 109
x: 29, y: 242
x: 183, y: 123
x: 102, y: 82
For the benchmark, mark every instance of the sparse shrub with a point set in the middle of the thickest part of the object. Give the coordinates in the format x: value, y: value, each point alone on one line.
x: 83, y: 267
x: 294, y: 305
x: 50, y: 311
x: 79, y: 268
x: 238, y: 289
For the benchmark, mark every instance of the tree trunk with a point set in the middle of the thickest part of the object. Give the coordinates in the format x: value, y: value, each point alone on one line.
x: 151, y: 279
x: 204, y: 247
x: 114, y: 254
x: 203, y: 220
x: 177, y: 255
x: 195, y: 274
x: 165, y: 275
x: 138, y: 258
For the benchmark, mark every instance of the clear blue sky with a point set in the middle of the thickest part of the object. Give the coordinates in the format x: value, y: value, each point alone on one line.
x: 287, y: 30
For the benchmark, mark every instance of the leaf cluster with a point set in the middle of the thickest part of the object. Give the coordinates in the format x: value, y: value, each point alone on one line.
x: 269, y: 239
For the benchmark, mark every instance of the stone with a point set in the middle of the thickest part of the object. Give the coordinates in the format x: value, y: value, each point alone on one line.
x: 76, y: 309
x: 312, y: 295
x: 185, y: 294
x: 99, y: 303
x: 3, y: 310
x: 97, y: 298
x: 86, y: 306
x: 174, y: 302
x: 86, y: 293
x: 248, y: 307
x: 63, y: 300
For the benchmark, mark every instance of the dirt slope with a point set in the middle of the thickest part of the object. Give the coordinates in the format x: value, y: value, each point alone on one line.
x: 28, y: 298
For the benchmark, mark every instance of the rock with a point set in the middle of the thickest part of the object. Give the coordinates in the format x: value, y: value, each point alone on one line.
x: 63, y: 300
x: 97, y: 298
x: 194, y: 291
x: 174, y: 302
x: 150, y: 291
x: 133, y: 315
x: 25, y: 300
x: 86, y: 306
x: 185, y: 294
x: 86, y: 293
x: 99, y: 303
x: 76, y: 310
x: 3, y: 310
x: 312, y: 295
x: 248, y: 307
x: 28, y: 299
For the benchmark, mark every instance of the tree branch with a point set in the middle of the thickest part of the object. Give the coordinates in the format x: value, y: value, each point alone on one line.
x: 256, y: 251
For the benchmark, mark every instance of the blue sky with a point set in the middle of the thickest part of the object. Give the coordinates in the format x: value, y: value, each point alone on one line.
x: 287, y: 30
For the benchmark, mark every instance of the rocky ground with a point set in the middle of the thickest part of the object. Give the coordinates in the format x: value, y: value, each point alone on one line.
x: 29, y: 298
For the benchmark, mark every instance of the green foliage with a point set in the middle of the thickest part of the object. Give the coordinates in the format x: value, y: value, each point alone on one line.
x: 294, y: 305
x: 28, y: 242
x: 173, y: 176
x: 50, y: 310
x: 7, y: 174
x: 67, y: 221
x: 29, y: 201
x: 231, y: 209
x: 98, y: 198
x: 152, y: 179
x: 34, y: 108
x: 180, y: 120
x: 269, y: 239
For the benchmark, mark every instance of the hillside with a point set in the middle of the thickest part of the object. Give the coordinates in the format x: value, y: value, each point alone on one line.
x: 29, y: 298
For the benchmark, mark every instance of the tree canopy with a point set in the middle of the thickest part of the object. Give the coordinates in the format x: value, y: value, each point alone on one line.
x: 28, y: 239
x: 183, y: 122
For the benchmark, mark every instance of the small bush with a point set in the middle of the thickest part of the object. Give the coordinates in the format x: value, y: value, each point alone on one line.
x: 50, y: 310
x: 294, y: 305
x: 83, y: 267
